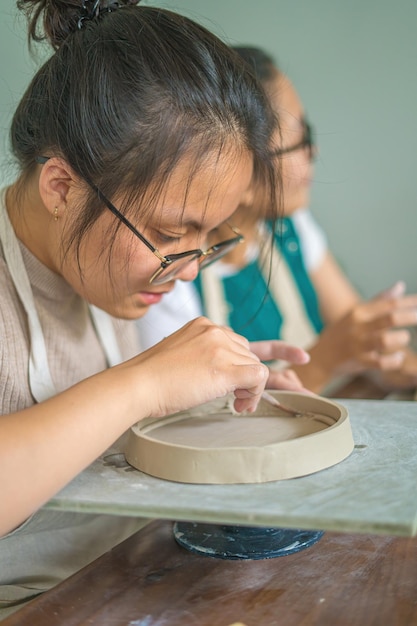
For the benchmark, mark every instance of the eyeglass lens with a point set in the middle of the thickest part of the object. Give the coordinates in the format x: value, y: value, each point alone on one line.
x: 204, y: 260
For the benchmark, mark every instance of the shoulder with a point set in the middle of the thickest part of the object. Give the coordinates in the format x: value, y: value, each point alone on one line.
x: 304, y: 222
x: 313, y: 240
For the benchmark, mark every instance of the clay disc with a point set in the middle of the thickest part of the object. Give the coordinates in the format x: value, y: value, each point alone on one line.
x: 213, y: 444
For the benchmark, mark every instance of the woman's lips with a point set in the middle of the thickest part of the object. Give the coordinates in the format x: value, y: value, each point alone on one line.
x: 151, y: 297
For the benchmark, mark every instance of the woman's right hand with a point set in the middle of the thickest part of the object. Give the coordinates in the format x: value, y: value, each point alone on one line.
x: 196, y: 364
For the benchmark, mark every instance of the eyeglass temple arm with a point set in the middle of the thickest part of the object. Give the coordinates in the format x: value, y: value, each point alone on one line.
x: 43, y: 159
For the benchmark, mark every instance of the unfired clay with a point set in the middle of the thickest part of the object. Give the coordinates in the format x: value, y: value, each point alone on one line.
x: 213, y: 444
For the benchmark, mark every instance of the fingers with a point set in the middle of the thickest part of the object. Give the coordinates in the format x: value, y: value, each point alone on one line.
x: 251, y: 373
x: 274, y: 350
x: 285, y: 379
x: 375, y: 332
x: 383, y: 350
x: 383, y: 362
x: 247, y: 397
x: 385, y: 342
x: 387, y: 312
x: 394, y: 318
x: 395, y: 291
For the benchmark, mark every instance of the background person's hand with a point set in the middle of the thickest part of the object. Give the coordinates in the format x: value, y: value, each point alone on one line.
x: 373, y: 335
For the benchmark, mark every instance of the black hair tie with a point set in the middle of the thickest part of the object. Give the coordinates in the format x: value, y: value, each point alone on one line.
x: 91, y: 9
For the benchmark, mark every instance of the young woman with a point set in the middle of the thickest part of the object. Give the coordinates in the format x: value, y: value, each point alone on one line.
x: 298, y: 293
x: 135, y: 139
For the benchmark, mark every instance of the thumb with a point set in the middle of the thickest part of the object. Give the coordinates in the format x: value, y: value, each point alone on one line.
x: 395, y: 291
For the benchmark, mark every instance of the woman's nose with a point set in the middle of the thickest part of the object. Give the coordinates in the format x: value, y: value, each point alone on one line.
x: 189, y: 272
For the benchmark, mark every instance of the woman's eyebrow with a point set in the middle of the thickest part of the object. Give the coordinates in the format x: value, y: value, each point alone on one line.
x: 184, y: 223
x: 176, y: 215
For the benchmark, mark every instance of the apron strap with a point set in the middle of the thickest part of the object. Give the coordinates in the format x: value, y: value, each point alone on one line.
x: 40, y: 379
x: 105, y: 331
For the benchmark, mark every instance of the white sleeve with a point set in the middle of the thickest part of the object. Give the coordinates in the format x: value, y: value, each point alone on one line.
x: 176, y: 308
x: 313, y: 240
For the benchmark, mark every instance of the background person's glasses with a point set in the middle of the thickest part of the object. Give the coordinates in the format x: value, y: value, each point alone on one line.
x: 171, y: 264
x: 307, y: 142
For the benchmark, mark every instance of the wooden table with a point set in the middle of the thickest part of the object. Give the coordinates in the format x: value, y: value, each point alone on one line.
x: 148, y: 580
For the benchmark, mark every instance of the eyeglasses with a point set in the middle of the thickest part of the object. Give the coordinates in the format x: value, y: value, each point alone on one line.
x: 307, y: 141
x: 171, y: 264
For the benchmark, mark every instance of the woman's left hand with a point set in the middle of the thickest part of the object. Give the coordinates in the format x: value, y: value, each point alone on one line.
x: 275, y: 350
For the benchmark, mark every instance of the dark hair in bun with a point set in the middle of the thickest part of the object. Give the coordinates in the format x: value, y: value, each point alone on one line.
x: 55, y: 20
x: 130, y: 92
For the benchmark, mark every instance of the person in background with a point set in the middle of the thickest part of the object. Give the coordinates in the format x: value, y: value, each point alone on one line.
x: 298, y: 292
x: 136, y: 138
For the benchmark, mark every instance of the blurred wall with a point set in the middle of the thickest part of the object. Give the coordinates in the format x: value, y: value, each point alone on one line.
x: 354, y: 65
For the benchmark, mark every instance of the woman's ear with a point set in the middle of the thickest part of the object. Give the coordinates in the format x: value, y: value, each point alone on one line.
x: 57, y: 181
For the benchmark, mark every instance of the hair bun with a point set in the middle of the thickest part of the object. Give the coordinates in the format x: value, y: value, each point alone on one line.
x: 94, y: 8
x: 55, y: 20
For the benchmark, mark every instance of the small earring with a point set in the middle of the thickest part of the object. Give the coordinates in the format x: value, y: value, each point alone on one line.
x: 56, y: 214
